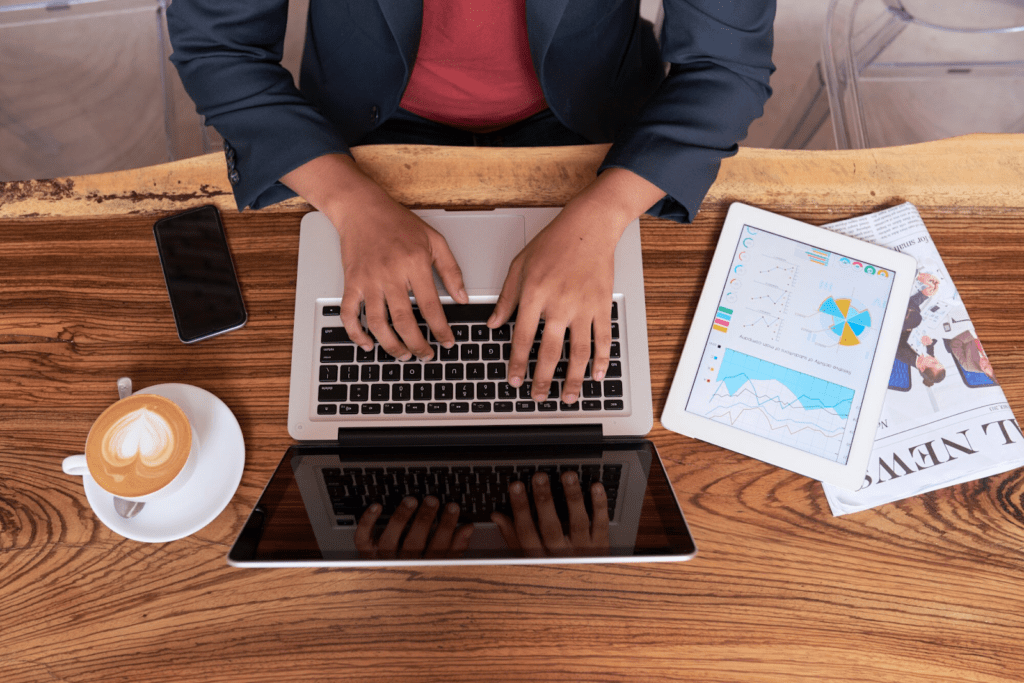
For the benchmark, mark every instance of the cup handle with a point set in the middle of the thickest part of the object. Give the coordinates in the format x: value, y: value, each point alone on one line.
x: 75, y: 464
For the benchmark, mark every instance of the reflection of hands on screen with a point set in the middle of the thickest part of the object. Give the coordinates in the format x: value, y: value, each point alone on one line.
x: 586, y: 536
x: 447, y: 541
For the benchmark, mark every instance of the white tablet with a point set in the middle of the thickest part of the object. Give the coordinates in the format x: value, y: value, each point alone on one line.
x: 791, y: 347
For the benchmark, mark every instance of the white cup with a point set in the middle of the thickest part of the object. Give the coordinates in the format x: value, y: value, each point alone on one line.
x: 77, y: 465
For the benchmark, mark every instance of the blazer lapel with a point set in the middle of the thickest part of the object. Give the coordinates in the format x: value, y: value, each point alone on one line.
x: 405, y: 19
x: 542, y: 18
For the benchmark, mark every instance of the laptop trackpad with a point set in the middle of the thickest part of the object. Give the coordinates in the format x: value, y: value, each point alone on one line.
x: 484, y: 246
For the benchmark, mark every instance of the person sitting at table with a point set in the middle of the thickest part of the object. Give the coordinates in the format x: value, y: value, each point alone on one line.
x: 496, y: 73
x: 522, y: 534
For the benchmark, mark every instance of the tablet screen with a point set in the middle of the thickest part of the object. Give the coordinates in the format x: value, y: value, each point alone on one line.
x: 793, y: 340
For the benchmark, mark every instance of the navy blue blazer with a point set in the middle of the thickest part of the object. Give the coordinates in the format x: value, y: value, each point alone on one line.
x: 600, y: 68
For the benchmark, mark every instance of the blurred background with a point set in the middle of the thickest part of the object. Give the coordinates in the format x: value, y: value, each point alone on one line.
x: 85, y: 85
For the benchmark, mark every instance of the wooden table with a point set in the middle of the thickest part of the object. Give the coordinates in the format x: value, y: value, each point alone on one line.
x: 928, y: 589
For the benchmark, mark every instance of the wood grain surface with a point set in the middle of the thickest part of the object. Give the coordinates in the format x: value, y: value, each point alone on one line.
x: 927, y: 589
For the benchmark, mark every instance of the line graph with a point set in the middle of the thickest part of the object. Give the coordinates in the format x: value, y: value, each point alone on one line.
x: 784, y: 405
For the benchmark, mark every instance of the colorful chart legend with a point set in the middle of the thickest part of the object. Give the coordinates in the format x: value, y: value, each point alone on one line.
x: 722, y: 319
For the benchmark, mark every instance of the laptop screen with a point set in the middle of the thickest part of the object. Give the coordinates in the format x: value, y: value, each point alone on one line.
x: 330, y: 505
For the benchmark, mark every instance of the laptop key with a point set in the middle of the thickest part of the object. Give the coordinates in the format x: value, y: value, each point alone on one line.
x: 392, y: 408
x: 359, y: 392
x: 365, y: 356
x: 383, y: 356
x: 433, y: 371
x: 503, y: 333
x: 337, y: 354
x: 454, y: 372
x: 459, y: 407
x: 328, y: 373
x: 370, y: 409
x: 507, y: 391
x: 481, y: 407
x: 469, y: 352
x: 415, y: 408
x: 449, y: 354
x: 495, y: 371
x: 506, y: 351
x: 480, y: 333
x: 401, y: 392
x: 591, y: 405
x: 485, y: 390
x: 614, y: 369
x: 412, y: 372
x: 568, y: 407
x: 490, y: 352
x: 348, y: 409
x: 444, y: 391
x: 592, y: 389
x: 348, y: 373
x: 332, y: 392
x: 461, y: 332
x: 614, y: 404
x: 437, y: 407
x: 525, y: 406
x: 613, y: 387
x: 547, y: 406
x: 616, y: 350
x: 421, y: 391
x: 334, y: 335
x: 464, y: 391
x: 392, y: 372
x: 380, y: 392
x: 503, y: 406
x: 327, y: 409
x: 370, y: 373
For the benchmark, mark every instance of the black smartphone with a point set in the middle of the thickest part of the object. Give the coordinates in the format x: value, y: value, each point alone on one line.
x: 205, y: 297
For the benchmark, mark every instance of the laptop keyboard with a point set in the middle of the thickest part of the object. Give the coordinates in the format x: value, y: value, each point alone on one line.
x: 467, y: 380
x: 478, y: 490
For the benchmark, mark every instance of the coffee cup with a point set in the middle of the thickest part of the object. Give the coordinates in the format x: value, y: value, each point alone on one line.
x: 141, y: 448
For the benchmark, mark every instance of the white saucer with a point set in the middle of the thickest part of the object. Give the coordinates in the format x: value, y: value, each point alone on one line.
x: 207, y: 492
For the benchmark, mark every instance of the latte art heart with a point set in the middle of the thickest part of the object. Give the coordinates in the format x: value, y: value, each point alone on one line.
x: 140, y: 434
x: 138, y: 445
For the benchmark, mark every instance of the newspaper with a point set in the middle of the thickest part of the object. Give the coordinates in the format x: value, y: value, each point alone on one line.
x: 945, y: 419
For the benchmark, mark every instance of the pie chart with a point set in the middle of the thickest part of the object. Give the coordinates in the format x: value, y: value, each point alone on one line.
x: 845, y: 320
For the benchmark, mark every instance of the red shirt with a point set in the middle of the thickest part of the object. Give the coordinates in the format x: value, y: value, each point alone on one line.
x: 473, y: 68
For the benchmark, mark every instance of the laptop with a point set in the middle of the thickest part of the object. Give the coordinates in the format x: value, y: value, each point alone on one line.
x: 373, y: 429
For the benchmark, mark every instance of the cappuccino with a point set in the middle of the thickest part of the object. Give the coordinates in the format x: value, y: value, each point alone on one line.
x: 138, y: 445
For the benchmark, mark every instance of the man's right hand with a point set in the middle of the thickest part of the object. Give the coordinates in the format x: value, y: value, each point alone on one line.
x: 387, y: 252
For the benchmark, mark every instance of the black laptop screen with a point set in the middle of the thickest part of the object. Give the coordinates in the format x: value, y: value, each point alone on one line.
x: 467, y: 504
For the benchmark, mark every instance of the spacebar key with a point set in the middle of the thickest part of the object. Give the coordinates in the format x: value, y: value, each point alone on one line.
x: 468, y: 313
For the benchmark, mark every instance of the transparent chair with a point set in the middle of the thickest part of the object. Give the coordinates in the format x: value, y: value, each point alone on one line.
x: 86, y: 86
x: 896, y: 72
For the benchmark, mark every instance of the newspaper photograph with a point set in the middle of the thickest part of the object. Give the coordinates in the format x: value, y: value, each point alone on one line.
x: 945, y: 419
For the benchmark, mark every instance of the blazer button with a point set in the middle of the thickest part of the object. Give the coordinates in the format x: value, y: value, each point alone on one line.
x: 233, y: 177
x: 374, y: 114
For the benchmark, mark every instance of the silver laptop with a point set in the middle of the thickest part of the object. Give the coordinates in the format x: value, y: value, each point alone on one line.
x: 377, y: 429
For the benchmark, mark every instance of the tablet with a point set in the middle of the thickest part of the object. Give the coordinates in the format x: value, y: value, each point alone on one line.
x: 791, y: 347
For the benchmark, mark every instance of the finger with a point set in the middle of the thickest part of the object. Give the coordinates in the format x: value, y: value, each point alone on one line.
x: 388, y: 543
x: 507, y: 530
x: 522, y: 340
x: 509, y: 297
x: 550, y: 353
x: 602, y: 346
x: 404, y: 323
x: 579, y: 355
x: 442, y: 539
x: 364, y: 531
x: 529, y: 541
x: 460, y: 543
x: 351, y: 304
x: 432, y: 311
x: 547, y: 518
x: 599, y: 527
x: 416, y: 540
x: 377, y: 321
x: 579, y: 520
x: 447, y: 267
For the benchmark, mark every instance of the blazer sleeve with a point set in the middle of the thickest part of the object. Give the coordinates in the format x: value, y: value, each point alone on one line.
x: 228, y: 53
x: 719, y: 55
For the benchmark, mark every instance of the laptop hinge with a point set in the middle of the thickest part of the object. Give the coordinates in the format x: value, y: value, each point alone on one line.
x: 472, y: 436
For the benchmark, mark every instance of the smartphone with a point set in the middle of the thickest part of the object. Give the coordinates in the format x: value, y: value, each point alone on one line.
x: 205, y: 297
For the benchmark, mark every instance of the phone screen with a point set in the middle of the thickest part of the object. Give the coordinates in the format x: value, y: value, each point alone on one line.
x: 205, y: 297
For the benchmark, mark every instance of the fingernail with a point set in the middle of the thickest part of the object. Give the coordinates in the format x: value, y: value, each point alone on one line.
x: 453, y: 508
x: 448, y: 344
x: 570, y: 399
x: 410, y: 502
x: 515, y: 381
x: 405, y: 357
x: 430, y: 502
x: 516, y: 487
x: 597, y: 490
x: 462, y: 294
x: 375, y: 508
x: 490, y: 321
x: 541, y: 478
x: 570, y: 477
x: 367, y: 347
x: 599, y: 375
